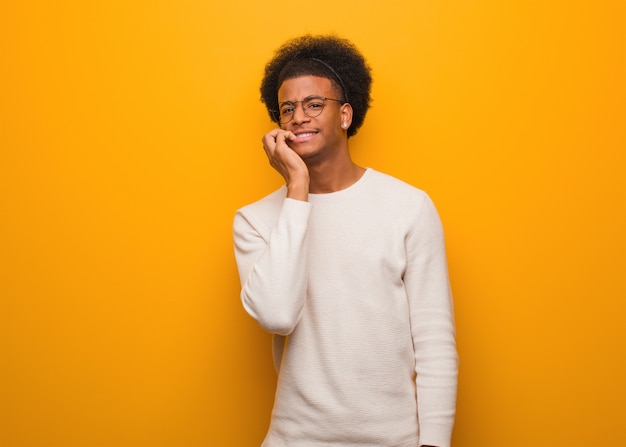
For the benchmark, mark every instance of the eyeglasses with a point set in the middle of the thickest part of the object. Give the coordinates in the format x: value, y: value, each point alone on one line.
x: 312, y: 106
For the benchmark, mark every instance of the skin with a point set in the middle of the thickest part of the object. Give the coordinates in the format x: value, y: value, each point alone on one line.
x: 312, y: 154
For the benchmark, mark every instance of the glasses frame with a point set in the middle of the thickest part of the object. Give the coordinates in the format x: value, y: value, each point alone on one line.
x: 277, y: 115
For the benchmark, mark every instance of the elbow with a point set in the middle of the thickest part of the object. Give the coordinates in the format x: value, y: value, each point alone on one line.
x: 279, y: 325
x: 273, y: 319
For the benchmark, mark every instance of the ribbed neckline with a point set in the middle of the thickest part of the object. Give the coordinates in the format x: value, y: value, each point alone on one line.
x: 331, y: 195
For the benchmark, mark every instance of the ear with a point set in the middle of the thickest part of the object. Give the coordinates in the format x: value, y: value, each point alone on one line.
x: 346, y: 115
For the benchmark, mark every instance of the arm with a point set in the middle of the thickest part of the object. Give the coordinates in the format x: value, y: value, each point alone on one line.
x: 432, y: 327
x: 272, y: 267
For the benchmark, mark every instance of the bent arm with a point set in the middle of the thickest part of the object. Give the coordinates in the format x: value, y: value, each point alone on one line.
x: 272, y: 267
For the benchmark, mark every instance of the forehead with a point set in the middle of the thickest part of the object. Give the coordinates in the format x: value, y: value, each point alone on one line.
x: 296, y: 89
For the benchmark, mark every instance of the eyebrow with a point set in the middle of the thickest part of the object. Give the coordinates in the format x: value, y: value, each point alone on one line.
x: 308, y: 97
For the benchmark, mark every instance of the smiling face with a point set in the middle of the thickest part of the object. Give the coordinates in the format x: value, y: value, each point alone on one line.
x: 322, y: 137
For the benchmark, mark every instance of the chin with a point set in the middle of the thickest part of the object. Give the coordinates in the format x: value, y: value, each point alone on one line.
x: 306, y: 153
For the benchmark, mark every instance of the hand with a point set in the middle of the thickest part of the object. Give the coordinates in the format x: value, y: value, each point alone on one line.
x: 287, y: 162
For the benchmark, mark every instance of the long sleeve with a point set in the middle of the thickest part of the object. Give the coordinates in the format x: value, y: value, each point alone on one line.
x: 432, y: 327
x: 358, y: 281
x: 271, y: 254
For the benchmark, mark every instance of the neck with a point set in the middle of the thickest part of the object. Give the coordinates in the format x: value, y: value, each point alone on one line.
x: 331, y: 177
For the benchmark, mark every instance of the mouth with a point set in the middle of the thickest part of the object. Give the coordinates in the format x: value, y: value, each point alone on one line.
x: 303, y: 136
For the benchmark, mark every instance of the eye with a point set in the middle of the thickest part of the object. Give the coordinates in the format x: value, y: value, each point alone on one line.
x: 314, y: 104
x: 286, y: 109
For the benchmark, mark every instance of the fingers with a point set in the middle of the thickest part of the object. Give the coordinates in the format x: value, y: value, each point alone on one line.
x: 282, y: 157
x: 276, y: 139
x: 282, y: 139
x: 269, y: 140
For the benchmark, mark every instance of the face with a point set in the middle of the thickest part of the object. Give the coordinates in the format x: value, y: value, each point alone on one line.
x: 320, y: 137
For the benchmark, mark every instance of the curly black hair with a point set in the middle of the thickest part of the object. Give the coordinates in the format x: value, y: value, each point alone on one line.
x: 326, y: 56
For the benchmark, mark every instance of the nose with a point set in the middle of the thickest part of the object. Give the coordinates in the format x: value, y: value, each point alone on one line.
x: 299, y: 116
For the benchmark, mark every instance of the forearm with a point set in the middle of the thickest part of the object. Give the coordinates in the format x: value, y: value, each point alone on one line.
x: 273, y: 267
x: 436, y: 374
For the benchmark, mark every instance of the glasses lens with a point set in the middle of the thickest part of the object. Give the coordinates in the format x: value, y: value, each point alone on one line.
x: 286, y: 112
x: 313, y: 106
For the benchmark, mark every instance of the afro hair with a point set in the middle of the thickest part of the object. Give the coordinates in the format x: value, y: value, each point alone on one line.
x: 326, y: 56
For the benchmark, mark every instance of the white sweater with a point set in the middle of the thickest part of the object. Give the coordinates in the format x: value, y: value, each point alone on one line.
x: 355, y: 285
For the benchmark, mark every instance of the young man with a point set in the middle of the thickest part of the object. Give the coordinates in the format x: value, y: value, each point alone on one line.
x: 347, y: 267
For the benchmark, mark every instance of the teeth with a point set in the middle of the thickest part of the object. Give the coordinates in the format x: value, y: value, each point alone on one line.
x: 303, y: 135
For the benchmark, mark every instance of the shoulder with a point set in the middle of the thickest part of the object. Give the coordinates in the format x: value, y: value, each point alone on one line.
x: 270, y: 204
x: 408, y: 206
x: 398, y: 201
x: 392, y: 189
x: 262, y: 214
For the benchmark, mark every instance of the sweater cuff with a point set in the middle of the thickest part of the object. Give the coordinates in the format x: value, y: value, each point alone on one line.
x: 433, y: 434
x: 296, y: 208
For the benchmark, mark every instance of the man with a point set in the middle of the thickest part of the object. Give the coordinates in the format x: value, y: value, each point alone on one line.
x: 347, y: 267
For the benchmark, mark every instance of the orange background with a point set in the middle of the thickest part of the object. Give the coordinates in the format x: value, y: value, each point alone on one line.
x: 130, y: 133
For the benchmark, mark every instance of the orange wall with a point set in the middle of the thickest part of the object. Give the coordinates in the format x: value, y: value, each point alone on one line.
x: 130, y: 133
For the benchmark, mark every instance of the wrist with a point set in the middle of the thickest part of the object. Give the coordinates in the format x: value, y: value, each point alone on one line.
x: 298, y: 190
